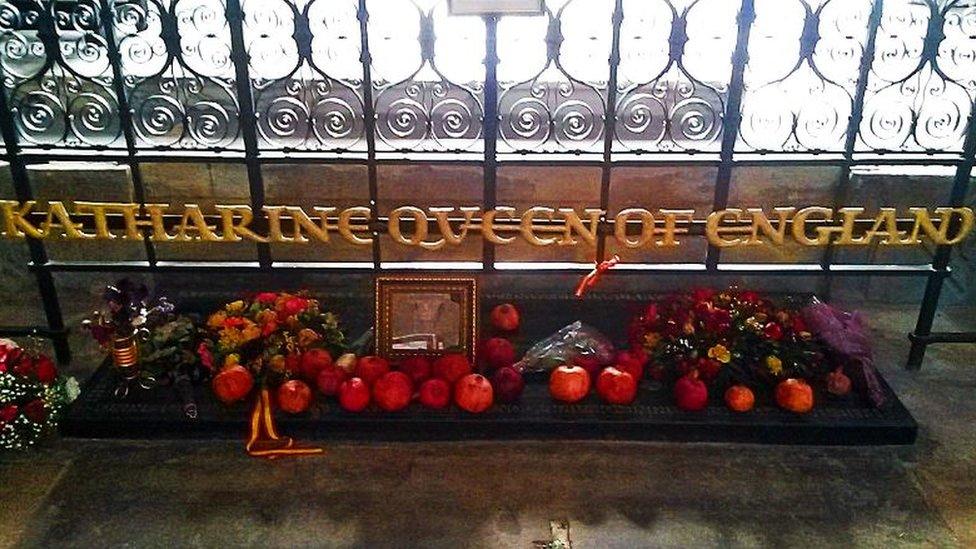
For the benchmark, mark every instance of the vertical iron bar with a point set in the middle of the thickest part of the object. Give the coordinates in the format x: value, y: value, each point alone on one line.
x: 733, y: 116
x: 940, y: 261
x: 125, y: 118
x: 842, y: 190
x: 609, y: 123
x: 248, y: 117
x: 38, y: 253
x: 490, y: 130
x: 369, y: 126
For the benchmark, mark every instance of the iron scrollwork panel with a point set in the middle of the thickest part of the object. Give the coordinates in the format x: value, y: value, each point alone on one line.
x: 306, y: 74
x: 178, y: 73
x: 923, y: 77
x: 673, y: 79
x: 800, y: 82
x: 56, y: 74
x: 552, y: 74
x: 427, y: 76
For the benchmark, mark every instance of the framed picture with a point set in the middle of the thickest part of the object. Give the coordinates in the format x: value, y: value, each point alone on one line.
x: 426, y: 315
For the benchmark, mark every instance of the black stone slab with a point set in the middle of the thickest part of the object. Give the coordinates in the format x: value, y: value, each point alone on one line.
x: 158, y: 415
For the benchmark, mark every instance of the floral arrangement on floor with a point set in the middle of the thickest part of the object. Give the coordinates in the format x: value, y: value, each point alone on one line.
x: 707, y: 341
x: 267, y: 341
x: 32, y: 396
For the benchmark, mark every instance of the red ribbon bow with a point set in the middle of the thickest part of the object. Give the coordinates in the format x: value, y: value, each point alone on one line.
x: 593, y: 277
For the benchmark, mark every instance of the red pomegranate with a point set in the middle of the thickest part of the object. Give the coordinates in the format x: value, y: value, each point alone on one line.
x: 498, y: 352
x: 329, y: 380
x: 632, y: 362
x: 232, y: 384
x: 739, y: 398
x: 354, y: 395
x: 392, y: 391
x: 451, y: 367
x: 417, y: 367
x: 505, y: 317
x: 590, y: 363
x: 313, y: 361
x: 294, y: 396
x: 794, y: 395
x: 690, y: 393
x: 473, y: 393
x: 508, y: 384
x: 569, y: 383
x: 616, y: 387
x: 435, y: 393
x: 838, y: 383
x: 371, y: 368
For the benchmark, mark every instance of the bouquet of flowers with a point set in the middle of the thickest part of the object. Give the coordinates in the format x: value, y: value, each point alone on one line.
x: 729, y: 338
x: 32, y: 396
x: 267, y: 340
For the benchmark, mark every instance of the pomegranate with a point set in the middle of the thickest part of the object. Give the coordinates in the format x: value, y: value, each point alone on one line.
x: 505, y: 317
x: 569, y: 383
x: 354, y: 395
x: 498, y: 352
x: 473, y: 393
x: 370, y: 368
x: 232, y: 384
x: 508, y: 384
x: 392, y: 392
x: 616, y: 387
x: 294, y: 396
x: 314, y: 361
x: 838, y: 383
x: 451, y: 367
x: 417, y: 367
x: 690, y: 393
x: 435, y: 393
x: 739, y: 398
x: 794, y: 395
x: 329, y: 380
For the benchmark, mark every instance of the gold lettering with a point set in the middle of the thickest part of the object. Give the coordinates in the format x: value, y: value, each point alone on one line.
x: 714, y: 228
x: 647, y: 227
x: 14, y: 222
x: 575, y: 224
x: 348, y: 229
x: 761, y: 224
x: 670, y: 225
x: 528, y: 226
x: 193, y: 221
x: 71, y: 229
x: 489, y: 228
x: 800, y: 225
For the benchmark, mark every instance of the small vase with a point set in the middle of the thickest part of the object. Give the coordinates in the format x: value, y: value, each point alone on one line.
x: 125, y: 357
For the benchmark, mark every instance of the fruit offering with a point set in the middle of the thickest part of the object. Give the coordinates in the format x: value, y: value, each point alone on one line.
x: 569, y: 383
x: 473, y: 393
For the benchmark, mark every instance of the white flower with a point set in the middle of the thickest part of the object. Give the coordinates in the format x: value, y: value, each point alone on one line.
x: 71, y: 389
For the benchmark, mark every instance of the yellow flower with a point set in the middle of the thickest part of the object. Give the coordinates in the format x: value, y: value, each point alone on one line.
x: 251, y: 332
x: 231, y: 360
x: 651, y: 339
x: 277, y: 363
x: 307, y: 336
x: 688, y: 328
x: 774, y: 364
x: 720, y: 353
x: 216, y: 320
x: 235, y: 306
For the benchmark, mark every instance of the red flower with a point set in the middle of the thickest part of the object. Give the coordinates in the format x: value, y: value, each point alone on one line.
x: 23, y: 366
x: 35, y: 411
x: 234, y: 322
x: 749, y: 296
x: 702, y: 294
x: 773, y: 331
x: 206, y: 357
x: 268, y: 328
x: 295, y: 305
x: 266, y: 297
x: 708, y: 368
x: 45, y: 370
x: 798, y: 324
x: 8, y: 413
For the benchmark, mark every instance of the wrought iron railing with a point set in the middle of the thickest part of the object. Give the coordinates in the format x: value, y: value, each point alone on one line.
x: 604, y: 83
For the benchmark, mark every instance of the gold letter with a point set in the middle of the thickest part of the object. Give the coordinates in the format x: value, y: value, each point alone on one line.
x: 620, y: 227
x: 670, y: 217
x: 348, y: 229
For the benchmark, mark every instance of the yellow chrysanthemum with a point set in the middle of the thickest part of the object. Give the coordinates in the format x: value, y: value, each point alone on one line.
x: 774, y: 364
x: 720, y: 353
x: 231, y: 360
x: 216, y: 320
x: 235, y: 306
x: 251, y: 332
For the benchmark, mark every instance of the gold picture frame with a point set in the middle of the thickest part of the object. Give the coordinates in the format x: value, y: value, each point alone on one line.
x: 426, y: 315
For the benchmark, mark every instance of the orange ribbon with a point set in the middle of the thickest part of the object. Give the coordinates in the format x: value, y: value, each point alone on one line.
x: 264, y: 440
x: 593, y: 277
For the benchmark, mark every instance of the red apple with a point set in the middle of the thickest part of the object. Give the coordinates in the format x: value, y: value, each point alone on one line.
x: 435, y: 393
x: 313, y: 362
x: 616, y: 387
x: 505, y: 317
x: 473, y: 393
x: 508, y: 384
x: 392, y: 391
x: 417, y: 367
x: 294, y: 396
x: 354, y: 395
x: 329, y: 380
x: 498, y: 352
x: 370, y: 368
x: 569, y: 383
x: 451, y: 367
x: 233, y: 384
x: 588, y: 362
x: 690, y: 393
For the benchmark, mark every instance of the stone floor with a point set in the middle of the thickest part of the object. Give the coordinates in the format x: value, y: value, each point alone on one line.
x: 525, y: 494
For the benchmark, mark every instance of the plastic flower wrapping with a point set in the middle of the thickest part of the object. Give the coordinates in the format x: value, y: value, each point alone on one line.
x: 33, y: 396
